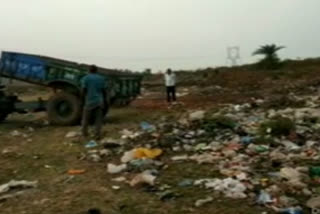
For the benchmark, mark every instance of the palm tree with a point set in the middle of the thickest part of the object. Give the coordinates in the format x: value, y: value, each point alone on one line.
x: 271, y: 59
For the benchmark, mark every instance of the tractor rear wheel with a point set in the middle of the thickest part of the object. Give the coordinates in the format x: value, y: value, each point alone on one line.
x: 64, y: 109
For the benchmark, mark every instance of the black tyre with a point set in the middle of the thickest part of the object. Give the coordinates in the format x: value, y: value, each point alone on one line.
x: 64, y: 109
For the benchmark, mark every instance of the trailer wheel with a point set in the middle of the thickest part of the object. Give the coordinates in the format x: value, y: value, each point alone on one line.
x: 64, y: 109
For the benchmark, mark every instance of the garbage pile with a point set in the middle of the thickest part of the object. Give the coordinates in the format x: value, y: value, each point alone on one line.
x: 268, y: 157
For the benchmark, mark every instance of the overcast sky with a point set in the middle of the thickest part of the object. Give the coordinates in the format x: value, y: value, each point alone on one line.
x: 157, y: 34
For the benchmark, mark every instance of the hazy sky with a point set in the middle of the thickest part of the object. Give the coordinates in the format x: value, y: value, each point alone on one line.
x: 157, y: 34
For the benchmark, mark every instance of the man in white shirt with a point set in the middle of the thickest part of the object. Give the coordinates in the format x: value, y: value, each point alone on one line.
x: 170, y: 81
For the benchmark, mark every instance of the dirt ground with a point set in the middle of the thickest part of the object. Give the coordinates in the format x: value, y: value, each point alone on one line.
x: 45, y: 155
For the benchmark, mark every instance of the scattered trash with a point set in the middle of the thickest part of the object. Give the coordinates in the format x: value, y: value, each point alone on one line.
x: 246, y: 140
x: 140, y: 153
x: 230, y: 187
x: 147, y: 127
x: 126, y: 134
x: 147, y: 153
x: 30, y: 129
x: 290, y: 174
x: 16, y: 133
x: 291, y: 210
x: 91, y: 144
x: 249, y: 148
x: 198, y: 115
x: 104, y: 152
x: 116, y: 187
x: 76, y: 171
x: 17, y: 184
x: 20, y: 185
x: 314, y: 203
x: 72, y: 134
x: 94, y: 158
x: 114, y: 169
x: 128, y: 156
x: 168, y: 195
x: 180, y: 158
x: 143, y: 178
x: 202, y: 202
x: 110, y: 143
x: 290, y: 145
x: 119, y: 179
x: 143, y: 164
x: 186, y: 183
x: 264, y: 198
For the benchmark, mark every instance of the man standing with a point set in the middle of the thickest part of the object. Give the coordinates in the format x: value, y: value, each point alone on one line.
x: 94, y: 94
x: 170, y: 81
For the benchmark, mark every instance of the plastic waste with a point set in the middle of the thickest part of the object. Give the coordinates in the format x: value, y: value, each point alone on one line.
x: 126, y: 134
x: 290, y: 173
x: 140, y: 153
x: 186, y: 183
x: 17, y: 184
x: 264, y: 198
x: 202, y: 147
x: 116, y: 187
x: 202, y: 202
x: 147, y: 153
x: 76, y: 171
x: 291, y: 210
x: 262, y: 148
x: 72, y: 134
x: 314, y: 203
x: 94, y: 158
x: 119, y: 179
x: 231, y: 188
x: 91, y: 144
x: 143, y: 164
x: 114, y: 169
x: 147, y: 127
x: 290, y: 145
x: 180, y: 158
x: 197, y: 115
x: 143, y: 178
x: 104, y: 152
x: 167, y: 195
x: 110, y: 143
x: 128, y: 156
x: 16, y: 133
x: 242, y: 176
x: 204, y: 158
x: 246, y: 140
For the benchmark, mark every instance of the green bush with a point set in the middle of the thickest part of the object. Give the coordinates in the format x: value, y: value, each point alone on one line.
x: 280, y: 126
x: 218, y: 122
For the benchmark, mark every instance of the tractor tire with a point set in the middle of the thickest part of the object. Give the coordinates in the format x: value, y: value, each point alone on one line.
x: 64, y: 109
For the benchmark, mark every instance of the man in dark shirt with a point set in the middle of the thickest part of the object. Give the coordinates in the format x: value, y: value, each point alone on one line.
x: 94, y: 92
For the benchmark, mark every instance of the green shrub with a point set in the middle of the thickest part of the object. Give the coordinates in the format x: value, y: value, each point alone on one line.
x: 218, y: 122
x: 280, y: 126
